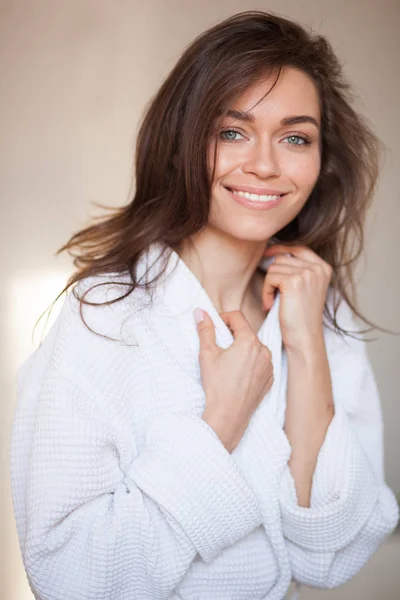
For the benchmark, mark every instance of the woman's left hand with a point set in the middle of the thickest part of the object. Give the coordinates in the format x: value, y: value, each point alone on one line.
x: 302, y: 280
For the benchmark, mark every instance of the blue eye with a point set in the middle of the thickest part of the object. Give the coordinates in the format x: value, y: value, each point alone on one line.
x: 229, y: 138
x: 301, y: 140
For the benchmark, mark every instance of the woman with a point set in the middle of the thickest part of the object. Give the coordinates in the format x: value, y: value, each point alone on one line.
x: 153, y: 459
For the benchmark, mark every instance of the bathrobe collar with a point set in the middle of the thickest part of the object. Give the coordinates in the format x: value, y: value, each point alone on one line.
x: 177, y: 293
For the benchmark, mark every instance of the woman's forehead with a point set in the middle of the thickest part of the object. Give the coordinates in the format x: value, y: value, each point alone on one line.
x: 293, y: 93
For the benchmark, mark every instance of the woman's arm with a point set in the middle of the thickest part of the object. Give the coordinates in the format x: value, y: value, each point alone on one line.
x: 103, y: 517
x: 309, y: 411
x: 351, y: 509
x: 302, y: 278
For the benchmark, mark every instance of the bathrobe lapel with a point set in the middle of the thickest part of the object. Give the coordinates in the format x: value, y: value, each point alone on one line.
x: 170, y: 315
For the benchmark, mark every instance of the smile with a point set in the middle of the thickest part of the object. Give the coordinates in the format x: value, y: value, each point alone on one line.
x: 256, y: 201
x: 257, y: 197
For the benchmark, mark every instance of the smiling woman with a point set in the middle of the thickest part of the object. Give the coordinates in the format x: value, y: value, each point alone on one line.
x: 158, y: 456
x: 259, y: 96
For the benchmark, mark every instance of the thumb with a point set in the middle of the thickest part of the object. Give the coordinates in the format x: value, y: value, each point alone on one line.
x: 205, y: 328
x: 268, y: 295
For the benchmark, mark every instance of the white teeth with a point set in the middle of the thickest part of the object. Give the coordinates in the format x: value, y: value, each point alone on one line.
x: 262, y: 198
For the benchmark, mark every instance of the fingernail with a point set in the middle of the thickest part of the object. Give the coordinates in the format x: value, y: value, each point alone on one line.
x: 198, y: 315
x: 268, y: 261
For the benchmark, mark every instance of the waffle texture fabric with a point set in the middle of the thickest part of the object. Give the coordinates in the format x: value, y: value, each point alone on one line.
x: 121, y: 491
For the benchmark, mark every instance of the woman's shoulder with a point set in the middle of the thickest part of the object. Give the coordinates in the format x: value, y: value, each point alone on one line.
x: 90, y: 332
x: 99, y: 303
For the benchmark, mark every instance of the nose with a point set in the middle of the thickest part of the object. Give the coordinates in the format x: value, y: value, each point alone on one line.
x: 262, y: 160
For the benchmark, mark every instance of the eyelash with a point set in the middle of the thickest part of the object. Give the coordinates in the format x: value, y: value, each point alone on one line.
x: 305, y: 139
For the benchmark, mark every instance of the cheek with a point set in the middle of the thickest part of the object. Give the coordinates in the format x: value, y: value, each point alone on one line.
x: 225, y: 162
x: 220, y: 162
x: 228, y: 158
x: 304, y: 169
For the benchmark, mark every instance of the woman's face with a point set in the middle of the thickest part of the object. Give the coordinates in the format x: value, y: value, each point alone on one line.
x: 266, y: 156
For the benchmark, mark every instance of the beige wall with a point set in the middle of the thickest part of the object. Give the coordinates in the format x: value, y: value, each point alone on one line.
x: 75, y: 76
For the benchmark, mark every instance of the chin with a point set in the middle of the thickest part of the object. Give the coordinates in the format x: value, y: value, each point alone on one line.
x: 251, y: 236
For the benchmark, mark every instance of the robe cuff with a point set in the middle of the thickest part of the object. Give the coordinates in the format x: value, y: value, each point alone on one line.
x: 343, y: 495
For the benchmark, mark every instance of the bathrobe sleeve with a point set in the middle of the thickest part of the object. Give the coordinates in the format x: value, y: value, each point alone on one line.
x: 98, y: 526
x: 351, y: 508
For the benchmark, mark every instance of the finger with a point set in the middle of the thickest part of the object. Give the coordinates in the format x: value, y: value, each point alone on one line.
x: 283, y: 259
x: 268, y: 293
x: 273, y: 282
x: 295, y: 264
x: 286, y: 268
x: 300, y: 253
x: 297, y: 251
x: 206, y: 332
x: 236, y: 322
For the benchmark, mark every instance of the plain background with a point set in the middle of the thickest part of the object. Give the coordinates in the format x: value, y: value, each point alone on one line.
x: 75, y: 77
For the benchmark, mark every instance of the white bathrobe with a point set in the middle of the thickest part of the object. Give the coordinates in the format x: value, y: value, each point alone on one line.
x: 121, y: 491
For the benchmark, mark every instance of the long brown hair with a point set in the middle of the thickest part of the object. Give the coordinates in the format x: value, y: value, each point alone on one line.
x: 173, y: 182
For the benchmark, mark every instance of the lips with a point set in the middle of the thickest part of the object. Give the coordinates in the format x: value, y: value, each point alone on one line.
x: 254, y: 190
x: 255, y: 202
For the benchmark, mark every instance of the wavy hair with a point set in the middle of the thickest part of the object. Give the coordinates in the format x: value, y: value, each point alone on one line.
x: 173, y: 182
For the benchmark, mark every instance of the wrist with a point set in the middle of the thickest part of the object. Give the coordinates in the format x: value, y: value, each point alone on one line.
x: 307, y: 349
x: 220, y: 425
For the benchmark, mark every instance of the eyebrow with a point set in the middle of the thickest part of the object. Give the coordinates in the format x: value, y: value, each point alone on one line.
x: 292, y: 120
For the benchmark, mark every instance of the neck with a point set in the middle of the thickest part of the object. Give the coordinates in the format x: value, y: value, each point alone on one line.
x: 226, y: 268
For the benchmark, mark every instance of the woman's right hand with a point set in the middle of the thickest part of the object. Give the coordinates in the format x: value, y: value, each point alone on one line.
x: 235, y: 380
